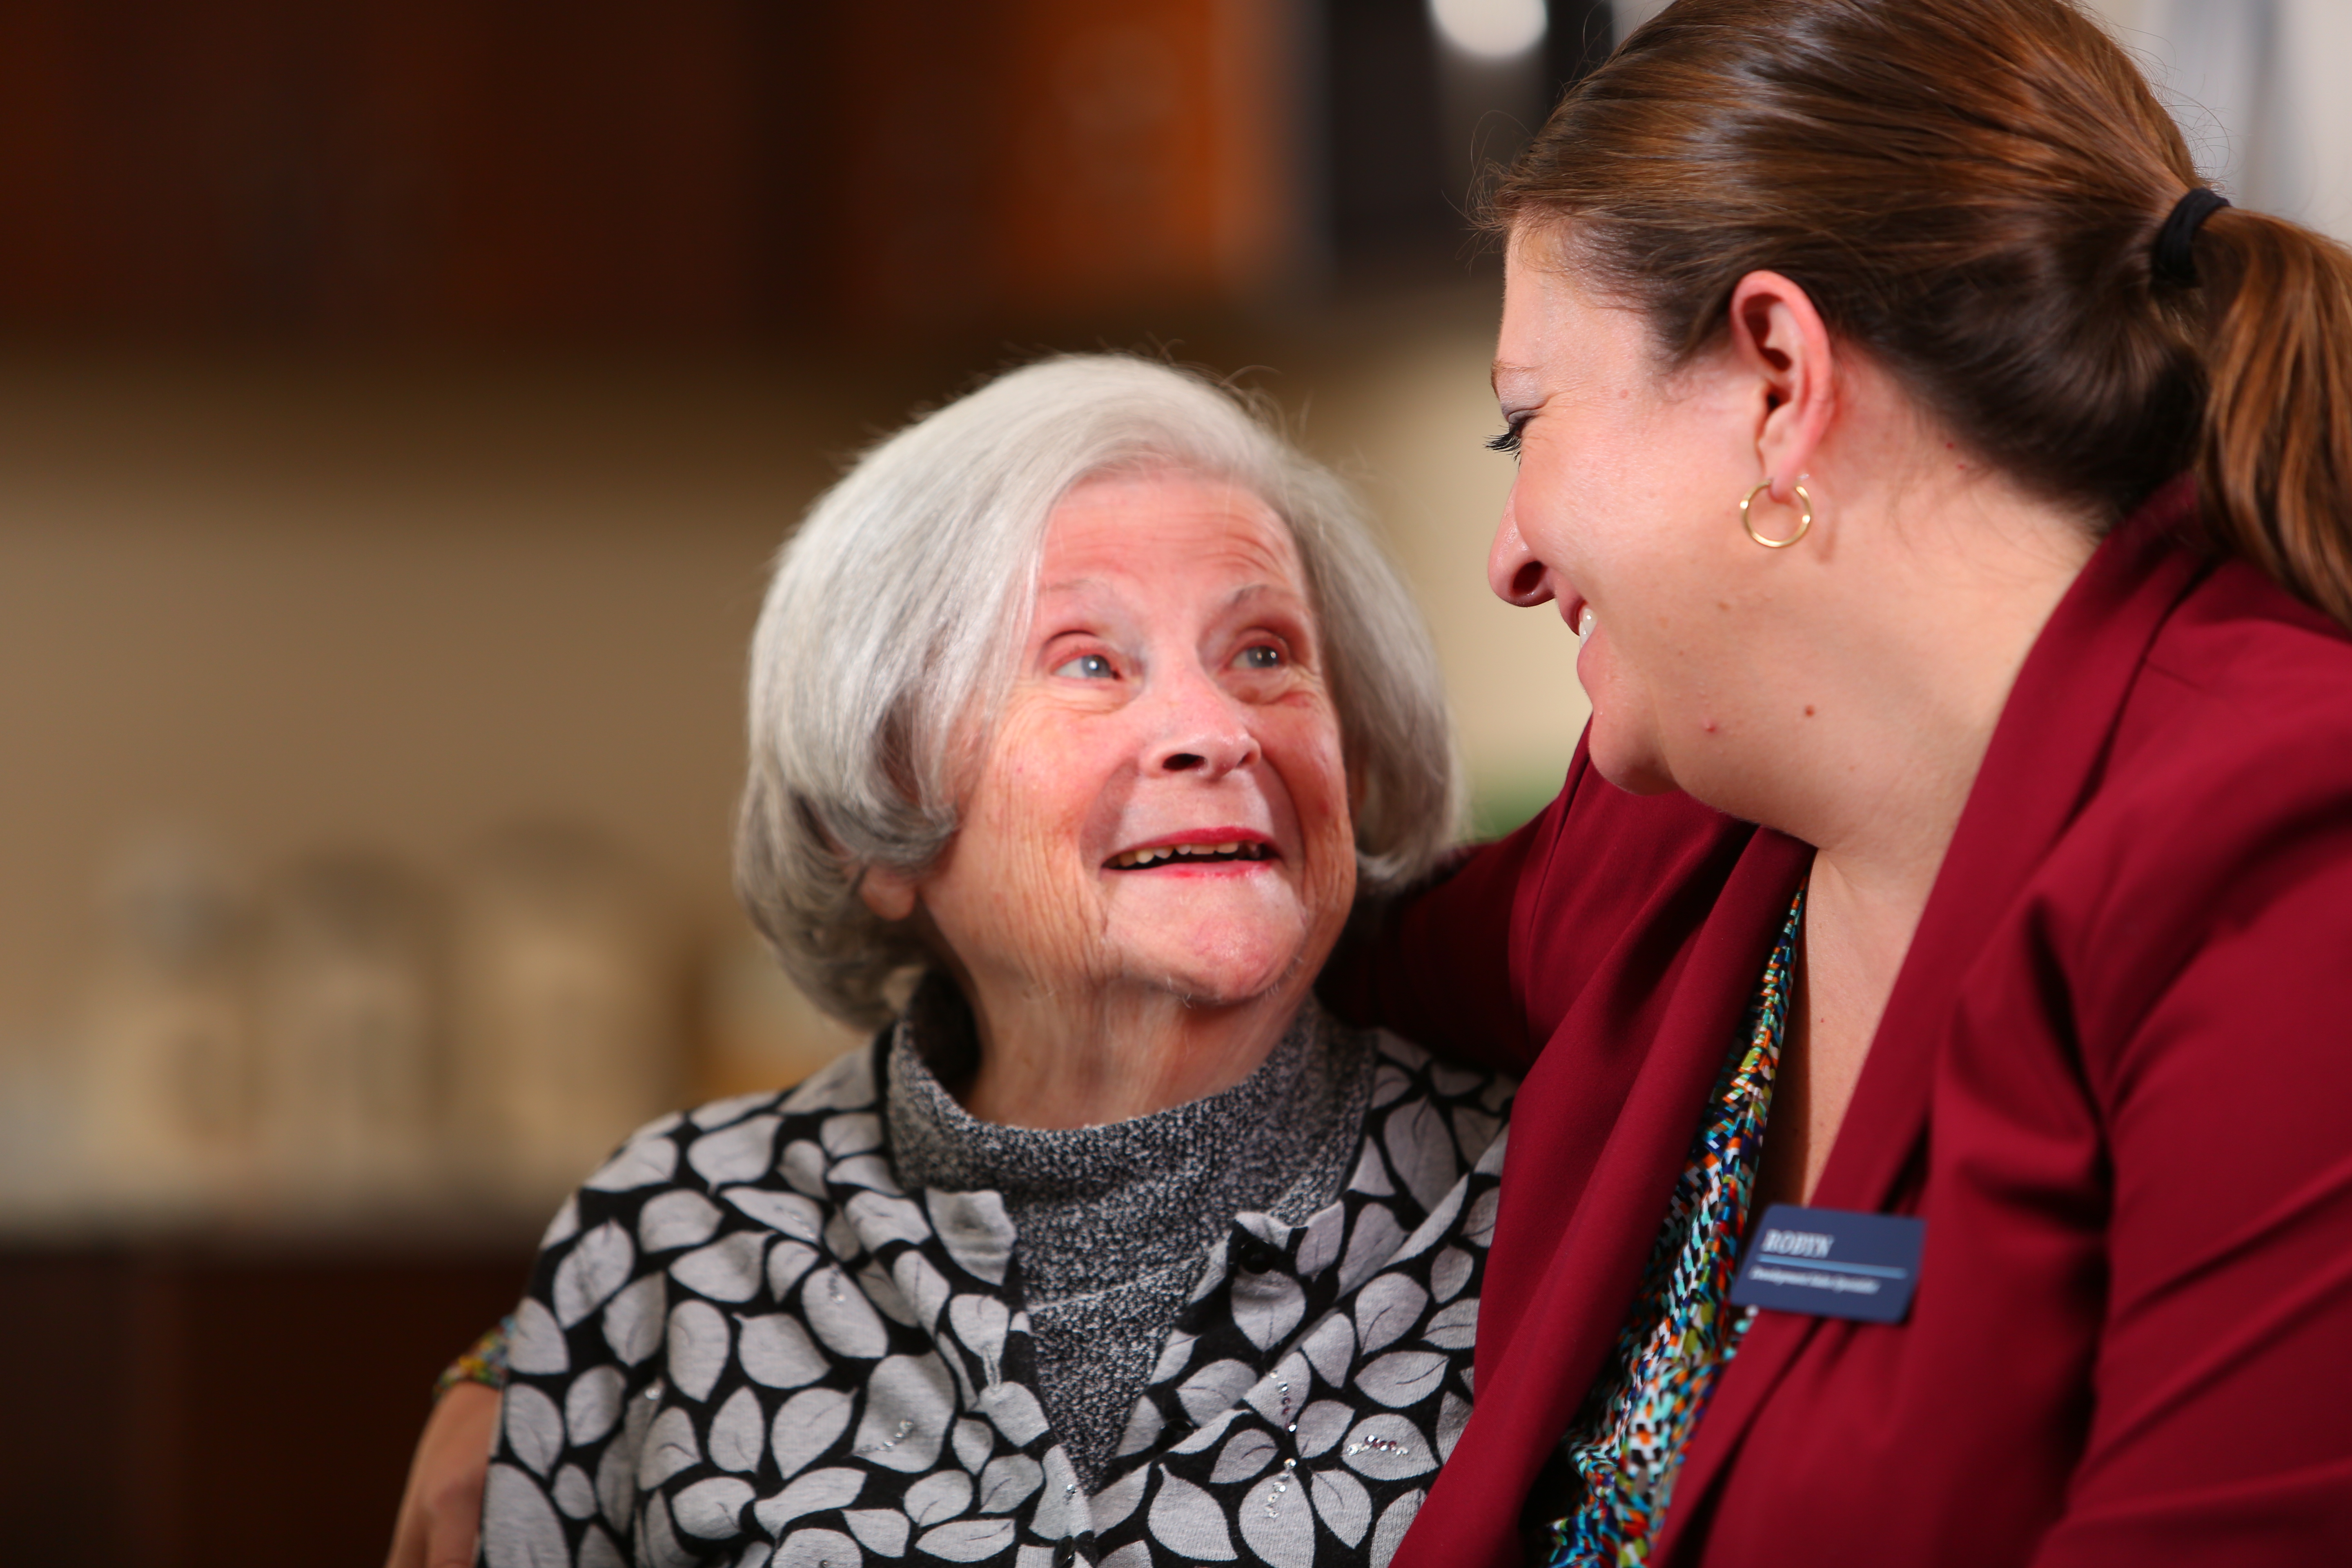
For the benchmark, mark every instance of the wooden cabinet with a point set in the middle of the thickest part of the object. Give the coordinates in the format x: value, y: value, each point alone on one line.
x: 185, y: 1404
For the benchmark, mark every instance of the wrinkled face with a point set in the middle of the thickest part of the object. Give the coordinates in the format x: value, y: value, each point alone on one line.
x: 1162, y: 804
x: 1626, y: 510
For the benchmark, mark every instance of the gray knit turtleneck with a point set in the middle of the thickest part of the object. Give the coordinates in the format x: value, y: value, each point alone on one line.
x: 1114, y: 1223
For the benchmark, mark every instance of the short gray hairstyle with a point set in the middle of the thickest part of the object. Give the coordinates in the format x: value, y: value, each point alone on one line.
x: 891, y: 629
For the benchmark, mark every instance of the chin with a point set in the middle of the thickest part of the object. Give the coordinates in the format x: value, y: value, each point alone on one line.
x: 1228, y: 976
x: 1635, y: 769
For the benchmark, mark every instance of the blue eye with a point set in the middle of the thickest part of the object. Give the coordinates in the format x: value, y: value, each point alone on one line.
x: 1087, y: 667
x: 1264, y: 656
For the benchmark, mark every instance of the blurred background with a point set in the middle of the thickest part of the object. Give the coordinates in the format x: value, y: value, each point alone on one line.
x: 399, y: 406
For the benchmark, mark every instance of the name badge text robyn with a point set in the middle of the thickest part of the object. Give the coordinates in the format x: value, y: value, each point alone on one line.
x: 1802, y: 1267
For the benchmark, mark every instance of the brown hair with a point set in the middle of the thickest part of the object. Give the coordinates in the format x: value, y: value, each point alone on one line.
x: 1969, y: 191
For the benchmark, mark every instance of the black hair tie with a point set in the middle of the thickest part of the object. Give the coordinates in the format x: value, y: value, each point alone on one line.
x: 2175, y: 260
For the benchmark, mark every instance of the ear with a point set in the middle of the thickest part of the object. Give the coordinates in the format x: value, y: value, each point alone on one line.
x: 891, y: 895
x: 1778, y: 335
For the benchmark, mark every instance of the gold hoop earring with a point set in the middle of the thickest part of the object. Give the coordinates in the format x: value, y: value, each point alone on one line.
x: 1804, y: 517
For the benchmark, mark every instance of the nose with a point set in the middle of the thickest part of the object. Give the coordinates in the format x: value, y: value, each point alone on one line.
x: 1515, y: 572
x: 1205, y: 731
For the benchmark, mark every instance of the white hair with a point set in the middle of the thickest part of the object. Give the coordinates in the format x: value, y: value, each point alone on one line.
x: 891, y: 630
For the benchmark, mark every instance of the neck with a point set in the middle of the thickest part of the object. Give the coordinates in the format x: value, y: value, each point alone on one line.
x: 1913, y: 687
x: 1899, y: 688
x: 1050, y: 1060
x: 1877, y: 669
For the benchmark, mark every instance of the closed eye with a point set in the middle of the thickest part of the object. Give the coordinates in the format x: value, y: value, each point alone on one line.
x: 1086, y: 667
x: 1508, y: 441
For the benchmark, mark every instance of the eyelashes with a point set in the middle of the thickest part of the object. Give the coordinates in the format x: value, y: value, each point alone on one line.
x: 1508, y: 441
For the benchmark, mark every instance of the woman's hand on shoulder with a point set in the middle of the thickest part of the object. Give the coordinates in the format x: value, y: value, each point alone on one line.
x: 441, y: 1511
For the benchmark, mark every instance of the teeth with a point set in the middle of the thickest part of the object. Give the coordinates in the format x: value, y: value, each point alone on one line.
x: 1131, y: 859
x: 1584, y: 622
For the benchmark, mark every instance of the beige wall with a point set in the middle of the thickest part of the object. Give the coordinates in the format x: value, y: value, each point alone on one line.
x: 281, y: 612
x: 2257, y: 86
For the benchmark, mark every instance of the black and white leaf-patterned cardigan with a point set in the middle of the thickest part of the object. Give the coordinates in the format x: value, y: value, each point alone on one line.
x: 744, y: 1344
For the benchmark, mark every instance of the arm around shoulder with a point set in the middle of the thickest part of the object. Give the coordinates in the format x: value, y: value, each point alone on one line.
x: 1434, y: 964
x: 441, y: 1508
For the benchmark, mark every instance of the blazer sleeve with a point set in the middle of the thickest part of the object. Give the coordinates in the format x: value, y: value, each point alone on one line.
x: 2217, y: 1433
x: 1485, y: 963
x: 1434, y: 963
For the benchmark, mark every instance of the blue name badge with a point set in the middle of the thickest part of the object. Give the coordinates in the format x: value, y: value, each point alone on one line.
x: 1832, y: 1263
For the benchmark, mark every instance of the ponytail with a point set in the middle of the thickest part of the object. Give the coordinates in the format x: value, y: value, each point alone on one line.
x: 2274, y: 453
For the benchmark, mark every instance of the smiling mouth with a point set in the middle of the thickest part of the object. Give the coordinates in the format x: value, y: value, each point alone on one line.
x: 1188, y: 855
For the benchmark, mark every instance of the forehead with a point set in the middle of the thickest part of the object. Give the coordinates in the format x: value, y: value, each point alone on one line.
x: 1138, y: 526
x: 1555, y: 329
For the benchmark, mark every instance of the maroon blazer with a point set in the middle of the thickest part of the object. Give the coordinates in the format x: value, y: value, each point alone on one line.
x: 2111, y: 1079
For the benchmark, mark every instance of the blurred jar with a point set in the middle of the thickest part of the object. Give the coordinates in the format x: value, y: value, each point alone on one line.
x: 168, y: 1071
x: 350, y: 1031
x: 566, y: 1015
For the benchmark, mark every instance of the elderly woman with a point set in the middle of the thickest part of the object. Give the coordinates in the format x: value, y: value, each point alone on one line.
x: 1089, y: 701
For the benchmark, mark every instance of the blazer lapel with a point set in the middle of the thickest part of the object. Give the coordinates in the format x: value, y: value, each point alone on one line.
x: 1554, y: 1329
x: 2041, y: 767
